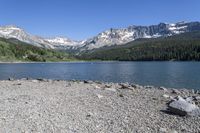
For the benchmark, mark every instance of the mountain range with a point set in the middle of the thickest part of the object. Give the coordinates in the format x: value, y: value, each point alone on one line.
x: 109, y: 37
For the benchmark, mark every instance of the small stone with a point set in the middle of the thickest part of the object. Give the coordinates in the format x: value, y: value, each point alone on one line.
x: 163, y: 130
x: 88, y: 81
x: 42, y: 80
x: 111, y: 89
x: 183, y: 128
x: 108, y: 85
x: 163, y: 88
x: 193, y: 91
x: 148, y: 87
x: 124, y: 86
x: 24, y: 79
x: 97, y: 87
x: 196, y: 92
x: 88, y: 116
x: 18, y: 84
x: 99, y: 96
x: 154, y: 98
x: 173, y: 131
x: 11, y: 79
x: 68, y: 85
x: 136, y: 86
x: 98, y: 82
x: 166, y: 96
x: 49, y: 80
x: 121, y: 95
x: 196, y: 98
x: 175, y: 91
x: 34, y: 81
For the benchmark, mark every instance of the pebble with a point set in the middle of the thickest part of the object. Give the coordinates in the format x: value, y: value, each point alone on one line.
x: 197, y: 98
x: 124, y: 86
x: 99, y: 96
x: 166, y: 96
x: 163, y: 88
x: 11, y: 79
x: 163, y: 130
x: 148, y: 87
x: 88, y: 81
x: 34, y: 81
x: 175, y: 91
x: 173, y: 131
x: 108, y: 85
x: 97, y: 87
x: 111, y: 89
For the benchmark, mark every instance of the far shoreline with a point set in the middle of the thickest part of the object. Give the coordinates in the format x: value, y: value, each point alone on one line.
x: 82, y: 61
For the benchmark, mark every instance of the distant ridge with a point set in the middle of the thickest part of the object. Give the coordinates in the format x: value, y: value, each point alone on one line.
x: 109, y: 37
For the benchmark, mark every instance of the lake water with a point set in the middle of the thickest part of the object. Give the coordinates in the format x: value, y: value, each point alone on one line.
x: 168, y: 74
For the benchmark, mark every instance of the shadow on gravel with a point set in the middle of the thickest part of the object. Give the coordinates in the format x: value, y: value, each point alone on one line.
x: 169, y: 112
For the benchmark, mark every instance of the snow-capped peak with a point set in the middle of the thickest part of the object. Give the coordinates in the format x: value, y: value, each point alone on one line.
x: 61, y: 41
x: 11, y: 27
x: 106, y: 38
x: 12, y: 31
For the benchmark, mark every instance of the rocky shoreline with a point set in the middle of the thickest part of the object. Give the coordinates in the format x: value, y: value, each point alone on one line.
x: 42, y: 105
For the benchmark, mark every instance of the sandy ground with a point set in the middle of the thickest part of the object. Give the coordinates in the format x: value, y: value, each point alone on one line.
x: 88, y: 107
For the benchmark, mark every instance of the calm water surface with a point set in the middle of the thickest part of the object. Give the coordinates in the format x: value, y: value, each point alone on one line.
x: 168, y: 74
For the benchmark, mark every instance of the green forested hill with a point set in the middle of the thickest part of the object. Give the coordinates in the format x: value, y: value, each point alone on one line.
x: 180, y: 47
x: 14, y: 50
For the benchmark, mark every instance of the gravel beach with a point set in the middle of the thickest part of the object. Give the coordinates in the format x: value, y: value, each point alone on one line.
x: 51, y: 106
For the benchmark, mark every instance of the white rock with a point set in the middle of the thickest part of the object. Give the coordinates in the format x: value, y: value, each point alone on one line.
x: 97, y: 87
x: 182, y: 107
x: 175, y: 91
x: 136, y: 86
x: 111, y: 89
x: 163, y: 130
x: 197, y: 97
x: 166, y: 96
x: 173, y: 131
x: 163, y: 88
x: 99, y: 96
x: 148, y: 87
x: 34, y: 81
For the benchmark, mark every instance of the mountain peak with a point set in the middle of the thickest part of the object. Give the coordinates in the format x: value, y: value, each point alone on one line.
x: 11, y: 27
x: 112, y: 36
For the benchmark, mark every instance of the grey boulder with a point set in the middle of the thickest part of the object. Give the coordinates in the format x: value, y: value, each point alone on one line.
x: 182, y: 107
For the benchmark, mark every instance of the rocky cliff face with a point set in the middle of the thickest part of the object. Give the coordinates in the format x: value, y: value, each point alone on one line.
x: 131, y: 33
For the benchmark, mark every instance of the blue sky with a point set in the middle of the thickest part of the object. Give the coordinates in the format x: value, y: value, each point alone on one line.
x: 80, y: 19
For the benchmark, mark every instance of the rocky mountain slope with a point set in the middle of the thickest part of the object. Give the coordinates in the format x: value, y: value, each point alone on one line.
x: 12, y: 31
x: 184, y: 47
x: 107, y: 38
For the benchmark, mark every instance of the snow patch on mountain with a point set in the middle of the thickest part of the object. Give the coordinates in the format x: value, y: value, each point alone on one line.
x: 107, y: 38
